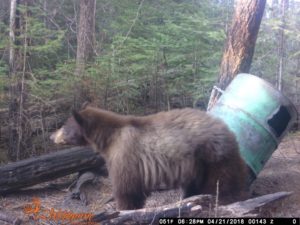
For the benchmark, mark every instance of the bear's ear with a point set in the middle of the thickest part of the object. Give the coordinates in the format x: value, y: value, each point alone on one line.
x: 79, y: 119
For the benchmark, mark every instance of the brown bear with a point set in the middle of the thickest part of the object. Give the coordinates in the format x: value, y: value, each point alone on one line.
x: 185, y: 148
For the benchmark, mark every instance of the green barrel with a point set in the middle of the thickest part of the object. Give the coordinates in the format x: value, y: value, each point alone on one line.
x: 258, y: 114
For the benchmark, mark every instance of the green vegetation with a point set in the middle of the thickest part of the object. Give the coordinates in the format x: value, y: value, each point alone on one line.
x: 149, y: 55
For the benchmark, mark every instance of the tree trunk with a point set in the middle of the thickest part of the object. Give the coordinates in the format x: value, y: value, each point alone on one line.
x: 281, y: 47
x: 240, y: 44
x: 17, y: 60
x: 85, y: 48
x: 85, y: 34
x: 22, y: 91
x: 36, y: 170
x: 12, y: 38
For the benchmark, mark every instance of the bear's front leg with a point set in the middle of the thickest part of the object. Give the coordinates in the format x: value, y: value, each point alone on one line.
x: 128, y: 186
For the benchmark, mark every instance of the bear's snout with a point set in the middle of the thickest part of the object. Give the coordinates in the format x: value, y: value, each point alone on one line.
x: 57, y: 137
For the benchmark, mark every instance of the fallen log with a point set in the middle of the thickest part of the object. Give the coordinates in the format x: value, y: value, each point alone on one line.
x: 47, y: 167
x: 200, y: 206
x: 184, y: 208
x: 245, y: 208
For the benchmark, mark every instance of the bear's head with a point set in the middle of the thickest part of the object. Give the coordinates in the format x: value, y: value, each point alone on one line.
x: 92, y: 126
x: 70, y: 133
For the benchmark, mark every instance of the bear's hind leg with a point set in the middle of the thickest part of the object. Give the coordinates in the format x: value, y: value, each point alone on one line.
x: 130, y: 201
x: 193, y: 187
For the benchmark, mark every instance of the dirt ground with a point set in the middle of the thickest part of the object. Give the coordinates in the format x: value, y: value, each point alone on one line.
x: 281, y: 173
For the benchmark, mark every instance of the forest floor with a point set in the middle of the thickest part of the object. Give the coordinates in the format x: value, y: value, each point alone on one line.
x: 281, y: 173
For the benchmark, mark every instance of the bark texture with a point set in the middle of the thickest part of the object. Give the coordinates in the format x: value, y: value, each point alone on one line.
x: 47, y: 167
x: 85, y: 34
x: 240, y: 44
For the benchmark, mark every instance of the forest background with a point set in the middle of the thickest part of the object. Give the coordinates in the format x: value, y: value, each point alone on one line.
x: 143, y: 57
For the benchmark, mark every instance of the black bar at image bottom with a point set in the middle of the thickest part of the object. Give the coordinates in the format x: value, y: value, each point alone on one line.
x: 230, y: 221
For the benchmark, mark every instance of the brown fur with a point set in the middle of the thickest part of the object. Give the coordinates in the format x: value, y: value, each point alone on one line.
x: 184, y: 148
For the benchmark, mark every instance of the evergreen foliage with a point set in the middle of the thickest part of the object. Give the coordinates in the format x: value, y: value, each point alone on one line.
x: 149, y: 55
x: 266, y: 60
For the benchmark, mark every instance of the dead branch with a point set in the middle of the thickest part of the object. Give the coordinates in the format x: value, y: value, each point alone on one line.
x: 243, y: 208
x: 196, y: 206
